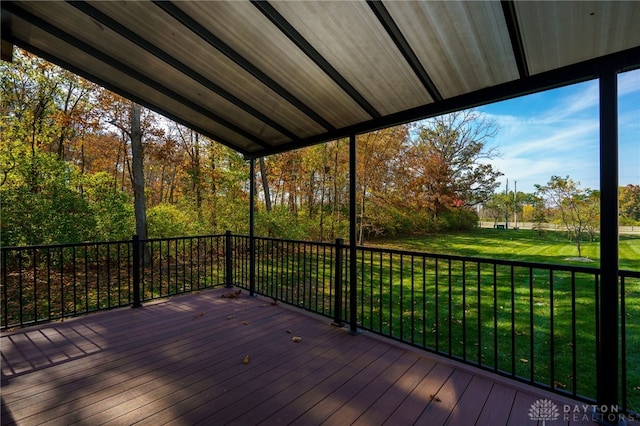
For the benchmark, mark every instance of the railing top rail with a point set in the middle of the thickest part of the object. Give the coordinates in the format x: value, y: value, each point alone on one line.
x: 505, y: 262
x: 315, y: 243
x: 94, y: 243
x: 54, y: 246
x: 192, y: 237
x: 629, y: 274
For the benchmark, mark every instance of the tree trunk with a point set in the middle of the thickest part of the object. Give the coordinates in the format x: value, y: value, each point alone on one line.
x: 265, y: 184
x: 139, y: 200
x: 198, y: 175
x: 361, y: 231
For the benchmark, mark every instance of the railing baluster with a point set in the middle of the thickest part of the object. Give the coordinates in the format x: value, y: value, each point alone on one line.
x: 97, y: 262
x: 176, y: 271
x: 5, y: 292
x: 450, y: 313
x: 437, y: 306
x: 495, y: 317
x: 513, y: 324
x: 573, y: 334
x: 623, y: 345
x: 35, y: 287
x: 464, y: 310
x: 552, y: 366
x: 337, y: 310
x: 390, y: 333
x: 531, y: 328
x: 479, y: 308
x: 362, y: 280
x: 86, y: 278
x: 108, y: 276
x: 424, y: 301
x: 75, y: 273
x: 228, y: 275
x: 137, y: 251
x: 61, y: 260
x: 412, y: 300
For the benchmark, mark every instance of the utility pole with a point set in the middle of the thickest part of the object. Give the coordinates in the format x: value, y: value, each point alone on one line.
x: 506, y: 209
x: 515, y: 203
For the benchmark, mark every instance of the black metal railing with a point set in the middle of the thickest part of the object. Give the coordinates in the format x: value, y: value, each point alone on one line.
x: 533, y: 322
x: 46, y: 283
x: 536, y: 323
x: 171, y: 266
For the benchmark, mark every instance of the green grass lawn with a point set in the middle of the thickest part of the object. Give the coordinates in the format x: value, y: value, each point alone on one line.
x: 464, y: 316
x: 516, y: 319
x: 522, y: 245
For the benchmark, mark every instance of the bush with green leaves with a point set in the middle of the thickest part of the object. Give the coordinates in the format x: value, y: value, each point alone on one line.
x: 40, y: 204
x: 112, y: 208
x: 169, y: 220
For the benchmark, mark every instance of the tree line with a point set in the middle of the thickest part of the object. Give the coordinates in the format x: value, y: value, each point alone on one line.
x: 75, y: 160
x: 562, y: 201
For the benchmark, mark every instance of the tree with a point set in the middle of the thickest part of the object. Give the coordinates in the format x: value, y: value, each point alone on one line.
x: 446, y: 161
x: 137, y: 155
x: 630, y: 203
x: 577, y: 208
x: 538, y: 215
x: 497, y: 207
x: 377, y: 152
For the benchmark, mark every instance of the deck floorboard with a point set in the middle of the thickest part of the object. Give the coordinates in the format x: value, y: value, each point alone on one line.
x: 179, y: 361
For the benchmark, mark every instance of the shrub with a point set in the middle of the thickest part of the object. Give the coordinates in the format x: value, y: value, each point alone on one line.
x: 168, y: 220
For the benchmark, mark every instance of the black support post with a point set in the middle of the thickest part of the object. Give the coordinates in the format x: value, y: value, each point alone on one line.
x: 252, y: 236
x: 337, y: 293
x: 353, y: 272
x: 607, y: 388
x: 137, y: 252
x: 228, y: 259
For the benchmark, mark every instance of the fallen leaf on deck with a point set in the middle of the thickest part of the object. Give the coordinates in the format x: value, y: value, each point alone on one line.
x: 198, y: 315
x: 245, y: 322
x: 289, y: 331
x: 231, y: 294
x: 434, y: 397
x: 245, y: 360
x: 296, y: 339
x: 275, y: 302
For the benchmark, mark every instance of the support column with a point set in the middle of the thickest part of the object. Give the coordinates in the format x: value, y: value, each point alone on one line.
x: 252, y: 240
x: 607, y: 393
x: 353, y: 273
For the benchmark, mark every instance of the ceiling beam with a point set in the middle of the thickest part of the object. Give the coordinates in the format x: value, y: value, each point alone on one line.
x: 114, y: 63
x: 105, y: 84
x: 225, y: 49
x: 509, y: 10
x: 125, y: 32
x: 287, y: 29
x: 403, y: 46
x: 621, y: 61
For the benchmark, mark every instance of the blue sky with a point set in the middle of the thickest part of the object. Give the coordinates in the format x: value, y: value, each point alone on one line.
x: 557, y: 133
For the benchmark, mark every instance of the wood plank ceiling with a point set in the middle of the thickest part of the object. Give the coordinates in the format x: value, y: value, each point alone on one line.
x: 265, y: 77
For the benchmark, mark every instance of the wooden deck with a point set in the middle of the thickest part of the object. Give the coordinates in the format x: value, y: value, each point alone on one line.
x: 179, y: 361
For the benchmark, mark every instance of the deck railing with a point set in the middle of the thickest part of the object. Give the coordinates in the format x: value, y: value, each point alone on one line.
x: 534, y: 322
x: 52, y: 282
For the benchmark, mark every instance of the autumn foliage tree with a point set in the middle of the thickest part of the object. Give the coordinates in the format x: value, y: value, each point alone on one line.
x: 63, y: 135
x: 576, y: 208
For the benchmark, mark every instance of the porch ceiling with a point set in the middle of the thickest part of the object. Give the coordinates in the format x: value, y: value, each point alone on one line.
x: 265, y: 77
